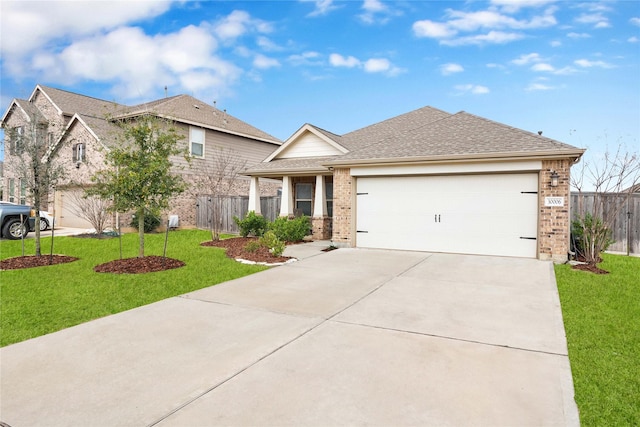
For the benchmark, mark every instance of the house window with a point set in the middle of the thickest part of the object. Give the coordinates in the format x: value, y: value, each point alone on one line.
x: 329, y: 186
x: 79, y: 153
x: 304, y: 198
x: 23, y: 191
x: 196, y: 142
x: 12, y: 190
x: 16, y: 142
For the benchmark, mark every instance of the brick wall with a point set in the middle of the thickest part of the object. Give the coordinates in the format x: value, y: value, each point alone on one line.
x: 554, y: 221
x: 342, y: 207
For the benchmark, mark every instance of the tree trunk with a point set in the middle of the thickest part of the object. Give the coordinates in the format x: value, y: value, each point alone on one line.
x: 141, y: 233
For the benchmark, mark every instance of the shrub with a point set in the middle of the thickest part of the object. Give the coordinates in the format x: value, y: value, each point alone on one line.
x: 252, y: 246
x: 251, y: 224
x: 592, y: 237
x: 151, y: 221
x: 291, y: 230
x: 271, y: 241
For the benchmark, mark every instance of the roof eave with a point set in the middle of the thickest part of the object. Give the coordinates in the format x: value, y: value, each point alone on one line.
x: 203, y: 125
x: 488, y: 157
x: 288, y: 171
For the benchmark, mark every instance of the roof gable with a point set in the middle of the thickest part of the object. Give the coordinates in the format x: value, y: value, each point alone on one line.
x: 69, y: 103
x: 309, y: 141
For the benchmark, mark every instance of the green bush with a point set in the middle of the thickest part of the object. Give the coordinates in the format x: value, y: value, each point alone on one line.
x: 291, y: 230
x: 271, y: 241
x: 591, y: 236
x: 251, y: 224
x: 252, y: 246
x: 151, y: 221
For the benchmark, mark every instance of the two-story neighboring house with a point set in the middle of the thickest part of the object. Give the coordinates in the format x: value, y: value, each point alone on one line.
x: 79, y: 130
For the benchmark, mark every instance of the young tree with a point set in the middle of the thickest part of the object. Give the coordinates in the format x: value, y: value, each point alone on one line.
x: 617, y: 172
x: 30, y: 159
x: 139, y: 176
x: 217, y: 180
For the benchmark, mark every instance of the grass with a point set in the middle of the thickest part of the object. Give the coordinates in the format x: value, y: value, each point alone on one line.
x: 42, y: 300
x: 602, y: 321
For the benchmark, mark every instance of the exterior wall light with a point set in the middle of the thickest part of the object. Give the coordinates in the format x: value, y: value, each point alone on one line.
x: 554, y: 178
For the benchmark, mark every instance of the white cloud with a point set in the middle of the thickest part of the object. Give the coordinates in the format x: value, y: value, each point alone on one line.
x: 33, y: 25
x: 493, y: 37
x: 555, y: 43
x: 451, y: 68
x: 377, y: 12
x: 573, y: 35
x: 264, y: 62
x: 633, y: 39
x: 543, y: 67
x: 338, y: 60
x: 598, y: 19
x: 635, y: 21
x: 473, y: 89
x: 513, y: 6
x: 268, y: 45
x: 537, y: 87
x: 237, y: 24
x: 305, y: 58
x: 377, y: 65
x: 585, y: 63
x: 322, y: 7
x: 527, y: 59
x: 432, y: 29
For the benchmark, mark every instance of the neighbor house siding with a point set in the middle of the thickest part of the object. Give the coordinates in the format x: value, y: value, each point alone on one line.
x: 554, y: 221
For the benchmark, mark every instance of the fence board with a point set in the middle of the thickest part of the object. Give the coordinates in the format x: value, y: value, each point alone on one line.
x: 229, y: 207
x: 626, y: 221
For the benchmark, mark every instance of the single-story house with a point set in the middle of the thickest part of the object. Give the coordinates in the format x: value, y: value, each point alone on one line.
x: 80, y: 129
x: 430, y: 181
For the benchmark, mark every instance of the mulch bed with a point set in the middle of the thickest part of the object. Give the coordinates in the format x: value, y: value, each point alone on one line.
x: 31, y: 261
x: 236, y: 249
x: 148, y: 264
x: 590, y: 268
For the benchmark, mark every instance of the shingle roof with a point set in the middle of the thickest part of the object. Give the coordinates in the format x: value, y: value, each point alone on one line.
x: 392, y: 127
x: 460, y: 134
x: 187, y: 109
x: 30, y: 109
x: 71, y: 103
x: 300, y: 165
x: 106, y: 131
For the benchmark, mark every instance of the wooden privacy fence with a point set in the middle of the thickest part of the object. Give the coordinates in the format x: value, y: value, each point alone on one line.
x: 626, y: 223
x: 230, y: 206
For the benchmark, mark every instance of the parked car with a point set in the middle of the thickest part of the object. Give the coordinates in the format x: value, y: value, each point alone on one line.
x: 46, y: 221
x: 15, y: 220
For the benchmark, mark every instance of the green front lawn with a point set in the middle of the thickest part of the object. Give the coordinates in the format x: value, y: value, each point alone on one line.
x: 42, y: 300
x: 602, y: 321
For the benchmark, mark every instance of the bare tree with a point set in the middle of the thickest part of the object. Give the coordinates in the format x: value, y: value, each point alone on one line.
x: 95, y: 210
x: 616, y: 172
x: 217, y: 179
x: 31, y: 160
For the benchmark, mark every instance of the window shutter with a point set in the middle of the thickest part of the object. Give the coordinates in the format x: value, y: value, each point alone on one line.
x: 75, y: 153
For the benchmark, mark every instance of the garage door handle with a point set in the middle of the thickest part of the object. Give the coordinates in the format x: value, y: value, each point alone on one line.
x: 528, y: 238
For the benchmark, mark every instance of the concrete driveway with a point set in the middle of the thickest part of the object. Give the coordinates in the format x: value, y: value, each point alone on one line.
x: 348, y: 337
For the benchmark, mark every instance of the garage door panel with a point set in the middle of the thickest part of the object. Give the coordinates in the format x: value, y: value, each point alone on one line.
x: 480, y: 214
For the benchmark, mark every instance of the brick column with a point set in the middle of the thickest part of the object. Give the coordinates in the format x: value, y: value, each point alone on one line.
x: 554, y: 222
x: 342, y: 210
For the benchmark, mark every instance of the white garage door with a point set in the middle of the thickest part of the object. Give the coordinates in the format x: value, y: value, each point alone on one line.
x: 470, y: 214
x: 67, y: 209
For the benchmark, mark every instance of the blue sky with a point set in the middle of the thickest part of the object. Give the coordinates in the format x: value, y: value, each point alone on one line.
x: 570, y: 69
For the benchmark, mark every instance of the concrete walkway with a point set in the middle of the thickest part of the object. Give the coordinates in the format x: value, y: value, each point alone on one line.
x: 348, y: 337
